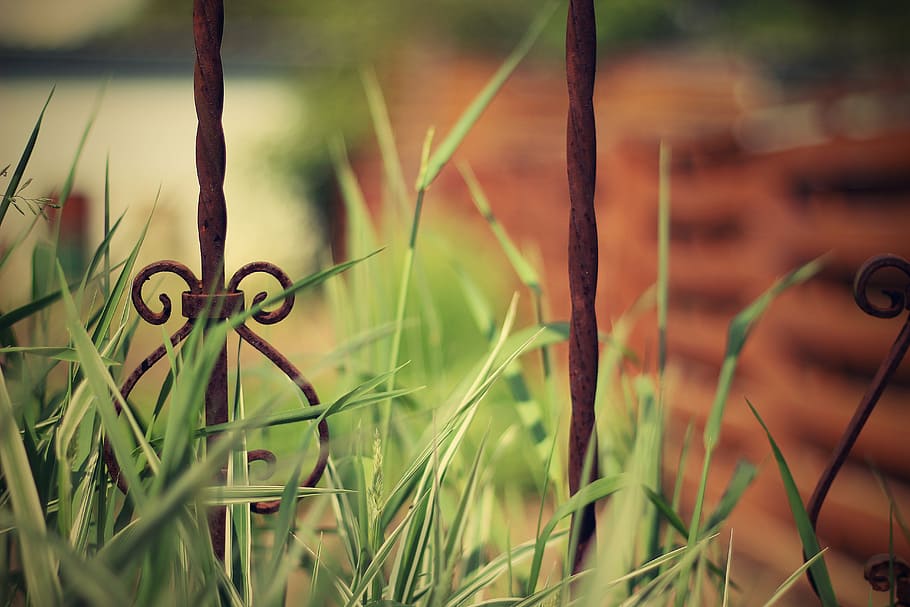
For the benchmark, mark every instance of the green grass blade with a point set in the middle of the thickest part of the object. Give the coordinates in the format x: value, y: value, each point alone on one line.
x: 407, y: 269
x: 596, y: 583
x: 10, y: 248
x: 677, y: 487
x: 455, y: 537
x: 38, y: 561
x: 381, y: 556
x: 127, y: 545
x: 70, y: 180
x: 416, y: 544
x: 13, y: 185
x: 498, y: 565
x: 896, y: 510
x: 359, y: 232
x: 668, y: 512
x: 114, y: 298
x: 478, y: 304
x: 388, y: 150
x: 463, y: 125
x: 738, y: 332
x: 346, y: 530
x: 528, y: 409
x: 72, y: 429
x: 88, y: 579
x: 240, y: 519
x: 631, y: 516
x: 101, y: 252
x: 56, y: 352
x: 37, y: 304
x: 277, y: 576
x: 727, y: 570
x: 102, y: 387
x: 526, y: 272
x: 462, y: 411
x: 590, y: 493
x: 431, y: 465
x: 312, y: 280
x: 663, y: 254
x: 248, y: 494
x: 106, y: 286
x: 86, y: 496
x: 743, y: 476
x: 312, y: 413
x: 803, y: 525
x: 187, y: 402
x: 793, y: 578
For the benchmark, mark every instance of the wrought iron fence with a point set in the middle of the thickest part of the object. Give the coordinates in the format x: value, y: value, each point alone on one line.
x: 212, y: 298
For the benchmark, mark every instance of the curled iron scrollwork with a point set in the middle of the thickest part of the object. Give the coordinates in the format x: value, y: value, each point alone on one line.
x: 887, y: 573
x: 265, y: 317
x: 900, y: 300
x: 174, y: 267
x: 234, y: 299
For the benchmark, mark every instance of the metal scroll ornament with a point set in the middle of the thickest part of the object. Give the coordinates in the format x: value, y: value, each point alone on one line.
x: 881, y: 570
x: 196, y: 304
x: 209, y: 299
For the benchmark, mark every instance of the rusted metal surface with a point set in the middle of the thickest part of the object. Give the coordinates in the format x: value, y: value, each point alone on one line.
x: 207, y: 300
x: 581, y: 161
x: 899, y: 301
x: 208, y: 87
x: 884, y: 571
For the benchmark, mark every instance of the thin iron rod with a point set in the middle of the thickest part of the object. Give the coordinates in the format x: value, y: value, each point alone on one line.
x: 581, y: 162
x: 208, y: 87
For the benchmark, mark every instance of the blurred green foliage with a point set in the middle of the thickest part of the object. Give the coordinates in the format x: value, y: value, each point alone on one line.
x: 359, y: 31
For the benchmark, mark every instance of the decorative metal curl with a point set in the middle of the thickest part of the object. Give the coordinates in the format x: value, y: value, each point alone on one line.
x: 264, y: 317
x: 899, y: 301
x: 195, y: 302
x: 174, y: 267
x: 884, y: 571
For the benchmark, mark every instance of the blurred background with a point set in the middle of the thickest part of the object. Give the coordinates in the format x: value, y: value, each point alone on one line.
x: 789, y: 123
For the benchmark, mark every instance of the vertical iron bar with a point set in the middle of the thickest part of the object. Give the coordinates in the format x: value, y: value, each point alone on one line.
x: 581, y: 157
x: 208, y: 86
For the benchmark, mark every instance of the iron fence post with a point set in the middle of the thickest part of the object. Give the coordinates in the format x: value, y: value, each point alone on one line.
x: 581, y: 167
x: 208, y: 88
x: 210, y: 300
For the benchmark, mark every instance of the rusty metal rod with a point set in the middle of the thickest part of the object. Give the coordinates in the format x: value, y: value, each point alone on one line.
x: 208, y: 88
x: 581, y: 161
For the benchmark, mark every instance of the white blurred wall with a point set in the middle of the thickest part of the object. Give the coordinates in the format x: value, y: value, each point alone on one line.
x: 147, y: 127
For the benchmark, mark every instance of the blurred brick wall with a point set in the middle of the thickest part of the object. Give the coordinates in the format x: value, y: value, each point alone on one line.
x: 762, y: 180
